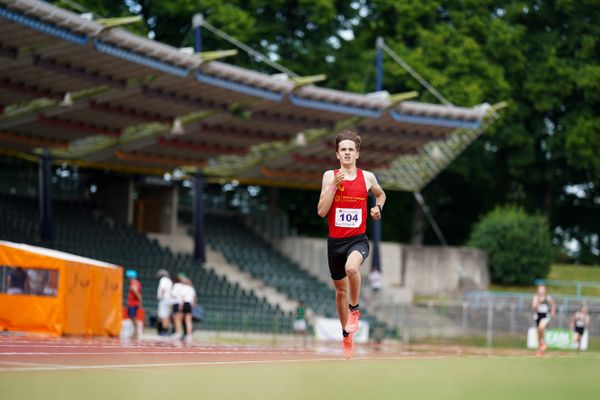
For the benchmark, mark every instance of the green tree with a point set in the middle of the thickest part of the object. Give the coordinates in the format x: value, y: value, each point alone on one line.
x: 300, y: 33
x: 539, y: 56
x: 518, y: 245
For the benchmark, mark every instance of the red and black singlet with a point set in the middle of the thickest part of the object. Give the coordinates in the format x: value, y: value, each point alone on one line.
x: 348, y: 213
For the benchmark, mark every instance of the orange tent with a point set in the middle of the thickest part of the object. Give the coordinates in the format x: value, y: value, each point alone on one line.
x: 53, y: 292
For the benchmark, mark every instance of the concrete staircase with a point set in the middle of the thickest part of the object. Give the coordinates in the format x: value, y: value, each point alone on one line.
x: 181, y: 243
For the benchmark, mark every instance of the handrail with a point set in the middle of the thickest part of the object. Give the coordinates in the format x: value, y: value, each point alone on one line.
x: 519, y: 295
x: 557, y: 282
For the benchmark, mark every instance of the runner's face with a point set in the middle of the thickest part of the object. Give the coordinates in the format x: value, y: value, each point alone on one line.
x: 347, y: 153
x: 541, y: 291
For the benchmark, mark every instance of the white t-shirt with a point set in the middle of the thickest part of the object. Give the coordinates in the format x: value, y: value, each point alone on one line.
x: 183, y: 293
x: 375, y: 279
x: 164, y: 289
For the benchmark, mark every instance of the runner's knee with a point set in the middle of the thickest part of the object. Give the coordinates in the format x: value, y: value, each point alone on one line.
x: 351, y: 270
x: 341, y: 292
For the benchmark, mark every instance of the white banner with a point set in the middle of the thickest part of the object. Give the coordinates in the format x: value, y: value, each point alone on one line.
x: 330, y: 329
x: 557, y: 338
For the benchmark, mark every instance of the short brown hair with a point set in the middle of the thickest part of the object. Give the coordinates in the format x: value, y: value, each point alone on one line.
x: 348, y: 134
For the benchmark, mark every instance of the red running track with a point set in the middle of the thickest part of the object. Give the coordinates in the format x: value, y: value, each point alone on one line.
x: 42, y: 353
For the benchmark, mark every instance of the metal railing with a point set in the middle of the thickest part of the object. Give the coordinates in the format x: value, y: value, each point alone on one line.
x: 478, y: 314
x: 579, y: 285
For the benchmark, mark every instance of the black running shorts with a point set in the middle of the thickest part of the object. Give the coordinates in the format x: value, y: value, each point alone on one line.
x: 338, y: 251
x: 539, y: 317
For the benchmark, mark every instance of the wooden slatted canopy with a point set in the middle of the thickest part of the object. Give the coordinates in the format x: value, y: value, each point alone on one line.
x: 105, y: 97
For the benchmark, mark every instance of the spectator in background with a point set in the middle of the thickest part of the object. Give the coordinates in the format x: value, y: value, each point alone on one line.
x: 134, y: 299
x: 375, y: 281
x: 579, y: 322
x: 300, y: 325
x: 16, y: 281
x: 543, y: 308
x: 184, y: 297
x: 165, y: 302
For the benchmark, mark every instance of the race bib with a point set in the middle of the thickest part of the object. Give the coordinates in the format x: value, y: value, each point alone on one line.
x: 542, y: 308
x: 348, y: 217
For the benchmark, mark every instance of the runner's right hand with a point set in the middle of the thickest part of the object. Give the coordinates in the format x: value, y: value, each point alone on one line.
x: 339, y: 178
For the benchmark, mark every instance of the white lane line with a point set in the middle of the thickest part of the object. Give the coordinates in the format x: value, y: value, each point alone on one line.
x: 125, y: 366
x: 135, y: 367
x: 164, y: 346
x: 29, y: 346
x: 21, y: 363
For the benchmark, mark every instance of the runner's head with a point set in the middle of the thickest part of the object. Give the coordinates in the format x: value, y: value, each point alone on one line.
x: 347, y: 144
x: 541, y: 290
x: 348, y: 134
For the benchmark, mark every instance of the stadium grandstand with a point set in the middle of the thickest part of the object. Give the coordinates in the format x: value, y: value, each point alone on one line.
x: 107, y: 115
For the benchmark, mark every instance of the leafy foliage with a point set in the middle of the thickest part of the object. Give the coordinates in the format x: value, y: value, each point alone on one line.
x: 518, y: 245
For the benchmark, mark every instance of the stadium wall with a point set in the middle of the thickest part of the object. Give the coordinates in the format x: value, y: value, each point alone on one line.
x: 406, y: 270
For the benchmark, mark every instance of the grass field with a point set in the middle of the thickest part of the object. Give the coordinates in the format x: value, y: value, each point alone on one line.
x: 498, y: 342
x: 551, y: 377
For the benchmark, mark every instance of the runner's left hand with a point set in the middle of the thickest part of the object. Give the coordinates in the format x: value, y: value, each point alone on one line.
x: 375, y: 213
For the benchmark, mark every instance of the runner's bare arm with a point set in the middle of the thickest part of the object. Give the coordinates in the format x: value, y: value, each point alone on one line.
x: 327, y: 192
x: 572, y: 321
x: 552, y: 306
x: 379, y: 196
x: 137, y: 293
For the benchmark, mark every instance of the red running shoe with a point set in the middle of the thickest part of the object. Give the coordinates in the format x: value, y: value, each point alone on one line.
x: 352, y: 324
x: 348, y: 346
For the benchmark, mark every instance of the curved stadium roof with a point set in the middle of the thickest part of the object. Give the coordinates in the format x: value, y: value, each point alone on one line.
x: 125, y: 93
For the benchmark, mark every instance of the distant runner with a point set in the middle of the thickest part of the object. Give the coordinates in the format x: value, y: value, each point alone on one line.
x: 543, y: 308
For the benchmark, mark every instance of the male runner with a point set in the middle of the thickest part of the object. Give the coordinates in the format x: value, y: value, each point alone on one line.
x: 343, y: 201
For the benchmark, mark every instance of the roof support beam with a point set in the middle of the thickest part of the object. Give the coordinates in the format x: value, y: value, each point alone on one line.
x: 119, y: 21
x: 300, y: 81
x: 200, y: 147
x: 208, y: 56
x: 24, y: 113
x: 98, y: 148
x: 413, y: 172
x: 32, y: 141
x: 263, y: 153
x: 18, y: 114
x: 396, y: 99
x: 159, y: 160
x: 332, y: 162
x: 27, y: 88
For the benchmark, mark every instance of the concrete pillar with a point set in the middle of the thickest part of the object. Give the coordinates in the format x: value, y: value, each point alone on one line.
x: 199, y: 251
x: 45, y: 197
